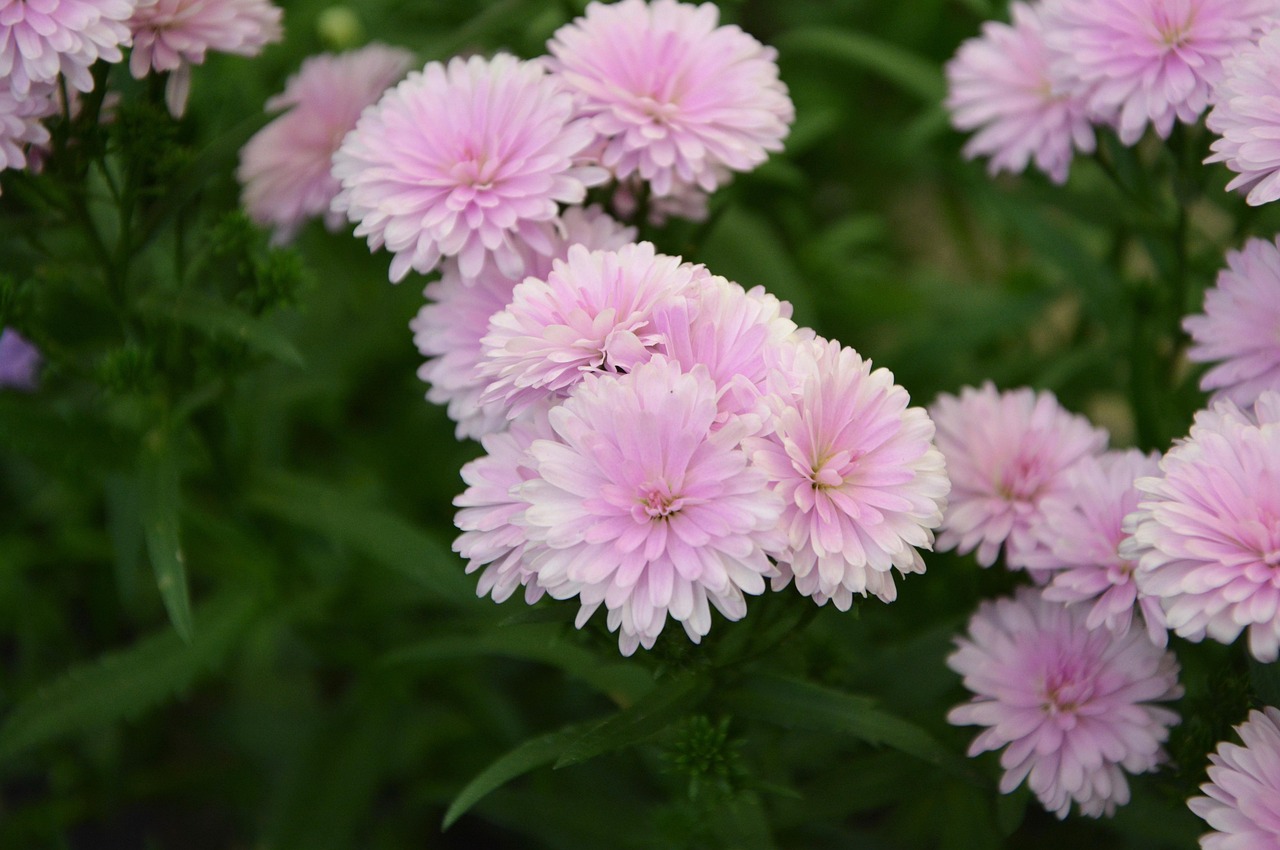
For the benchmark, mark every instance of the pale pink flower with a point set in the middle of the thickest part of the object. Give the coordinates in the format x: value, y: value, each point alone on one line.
x: 857, y: 470
x: 172, y: 35
x: 1240, y: 325
x: 1206, y: 534
x: 1004, y: 85
x: 1143, y: 62
x: 468, y: 160
x: 40, y: 39
x: 20, y: 126
x: 1246, y: 114
x: 1071, y: 706
x: 1077, y: 537
x: 449, y: 328
x: 673, y: 97
x: 19, y: 361
x: 1005, y: 453
x: 285, y: 168
x: 593, y: 313
x: 641, y: 505
x: 1243, y: 802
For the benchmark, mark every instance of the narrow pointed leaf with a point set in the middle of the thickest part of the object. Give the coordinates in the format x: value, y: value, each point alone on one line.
x: 159, y: 499
x: 652, y: 713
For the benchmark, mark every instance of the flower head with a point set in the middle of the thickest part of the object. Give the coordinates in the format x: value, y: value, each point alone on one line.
x: 1143, y: 62
x: 858, y: 473
x: 1243, y: 792
x: 1207, y: 530
x: 1071, y: 706
x: 1246, y: 114
x: 641, y: 505
x: 1005, y: 452
x: 285, y: 168
x: 20, y: 125
x: 468, y: 160
x: 672, y: 96
x: 1240, y: 325
x: 172, y: 35
x: 40, y: 39
x: 19, y: 361
x: 1004, y: 85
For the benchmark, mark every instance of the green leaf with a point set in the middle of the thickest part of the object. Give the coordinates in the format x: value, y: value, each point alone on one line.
x: 803, y: 705
x: 371, y: 531
x: 652, y: 713
x: 159, y: 499
x: 908, y: 71
x: 531, y: 754
x: 121, y: 685
x: 216, y: 319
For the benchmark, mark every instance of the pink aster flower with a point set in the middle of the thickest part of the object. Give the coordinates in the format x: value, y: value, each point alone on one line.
x: 1005, y: 452
x: 1243, y: 802
x: 1077, y: 536
x: 20, y: 126
x: 1207, y: 531
x: 449, y: 328
x: 857, y: 470
x: 467, y: 160
x: 1004, y: 85
x: 19, y: 361
x: 1143, y: 62
x: 1071, y: 706
x: 641, y: 505
x: 172, y: 35
x: 40, y: 39
x: 593, y: 313
x: 1240, y: 326
x: 1246, y: 115
x: 285, y: 168
x: 672, y: 96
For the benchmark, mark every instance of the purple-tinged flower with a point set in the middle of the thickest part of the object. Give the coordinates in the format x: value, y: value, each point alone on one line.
x: 1246, y: 114
x: 20, y: 125
x: 1206, y: 534
x: 1240, y: 325
x: 19, y: 361
x: 286, y: 167
x: 593, y: 313
x: 40, y: 39
x: 672, y: 96
x: 1243, y: 802
x: 1071, y: 706
x: 172, y: 35
x: 1005, y: 452
x: 641, y: 505
x: 862, y: 483
x: 449, y: 328
x: 468, y: 160
x: 1143, y: 62
x: 1077, y: 537
x: 1004, y: 85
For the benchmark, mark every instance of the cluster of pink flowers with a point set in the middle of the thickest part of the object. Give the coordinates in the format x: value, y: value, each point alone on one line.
x: 1036, y: 88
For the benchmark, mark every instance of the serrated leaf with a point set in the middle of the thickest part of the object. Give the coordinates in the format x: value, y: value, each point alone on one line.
x: 121, y: 685
x: 910, y: 72
x: 531, y: 754
x: 159, y: 499
x: 216, y: 319
x: 655, y: 711
x: 376, y: 533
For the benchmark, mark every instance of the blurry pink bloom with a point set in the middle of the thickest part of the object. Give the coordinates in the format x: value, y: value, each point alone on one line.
x: 1070, y: 705
x: 285, y: 168
x: 1003, y: 85
x: 19, y: 361
x: 673, y: 97
x: 40, y: 39
x: 449, y: 328
x: 684, y: 201
x: 1005, y: 453
x: 1077, y: 537
x: 468, y: 160
x: 1246, y: 115
x: 1240, y: 325
x: 640, y: 505
x: 593, y: 313
x: 1150, y: 61
x: 1207, y: 531
x: 1243, y: 802
x: 20, y: 125
x: 858, y: 473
